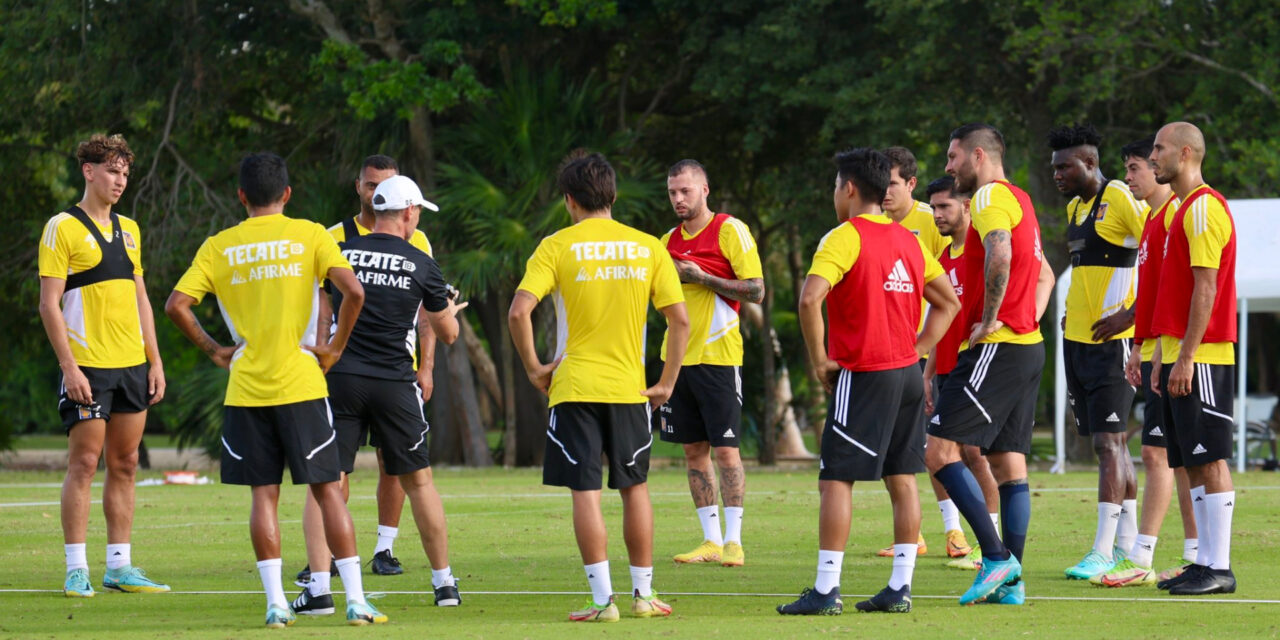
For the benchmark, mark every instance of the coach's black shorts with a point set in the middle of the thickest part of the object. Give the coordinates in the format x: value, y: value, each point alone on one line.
x: 1152, y: 413
x: 122, y: 390
x: 705, y: 406
x: 989, y: 399
x: 579, y: 432
x: 873, y: 425
x: 257, y: 441
x: 1200, y: 425
x: 387, y: 412
x: 1097, y: 390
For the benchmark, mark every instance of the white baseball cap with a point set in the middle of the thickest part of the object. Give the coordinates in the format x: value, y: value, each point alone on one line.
x: 399, y: 192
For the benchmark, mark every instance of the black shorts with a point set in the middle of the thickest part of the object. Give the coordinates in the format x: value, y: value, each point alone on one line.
x: 579, y: 432
x: 257, y: 441
x: 122, y: 390
x: 1152, y: 413
x: 387, y: 412
x: 989, y: 399
x: 1099, y: 394
x: 873, y: 425
x: 1200, y: 425
x: 705, y: 406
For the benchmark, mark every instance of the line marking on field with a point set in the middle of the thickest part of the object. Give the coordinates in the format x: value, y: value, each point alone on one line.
x: 726, y: 594
x: 39, y: 504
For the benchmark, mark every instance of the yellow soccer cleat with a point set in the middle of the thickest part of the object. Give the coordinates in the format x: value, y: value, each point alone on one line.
x: 921, y: 549
x: 732, y: 555
x: 708, y: 551
x: 596, y: 613
x: 957, y: 545
x: 650, y: 607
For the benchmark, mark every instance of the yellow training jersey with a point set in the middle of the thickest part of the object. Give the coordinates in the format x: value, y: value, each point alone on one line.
x: 602, y: 274
x: 920, y: 222
x: 1208, y: 231
x: 1097, y: 292
x: 419, y: 239
x: 264, y: 272
x: 992, y: 208
x: 714, y: 335
x: 103, y: 325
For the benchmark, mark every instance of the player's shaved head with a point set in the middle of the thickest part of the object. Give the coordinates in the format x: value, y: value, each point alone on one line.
x: 978, y: 135
x: 1184, y: 134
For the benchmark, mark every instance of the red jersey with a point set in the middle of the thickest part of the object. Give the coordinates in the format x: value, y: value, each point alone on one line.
x: 1018, y: 309
x: 1173, y: 303
x: 948, y: 349
x: 704, y: 251
x: 1150, y: 259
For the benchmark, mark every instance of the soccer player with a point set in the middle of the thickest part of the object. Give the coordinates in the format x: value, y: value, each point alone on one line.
x: 1193, y: 366
x: 602, y: 274
x: 719, y: 269
x: 372, y: 388
x: 1137, y: 570
x: 872, y: 274
x: 390, y: 495
x: 95, y: 310
x: 901, y: 207
x: 264, y: 272
x: 1104, y: 224
x: 951, y: 217
x: 989, y: 398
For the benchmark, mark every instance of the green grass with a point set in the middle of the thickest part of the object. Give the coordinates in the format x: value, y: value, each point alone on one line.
x: 509, y: 533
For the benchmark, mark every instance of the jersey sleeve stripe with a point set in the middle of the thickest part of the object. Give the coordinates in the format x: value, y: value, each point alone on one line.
x: 51, y: 230
x: 744, y: 236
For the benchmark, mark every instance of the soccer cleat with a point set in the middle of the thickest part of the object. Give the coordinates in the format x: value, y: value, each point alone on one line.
x: 448, y: 596
x: 957, y: 545
x: 1126, y: 574
x: 1206, y: 581
x: 385, y: 564
x: 992, y: 574
x: 650, y: 607
x: 812, y: 603
x: 1188, y: 572
x: 1008, y: 593
x: 308, y: 605
x: 888, y: 601
x: 1093, y: 564
x: 971, y: 562
x: 130, y: 579
x: 362, y: 613
x: 732, y: 556
x: 595, y: 613
x: 1169, y: 574
x: 77, y: 584
x: 921, y: 548
x: 708, y: 551
x: 279, y: 618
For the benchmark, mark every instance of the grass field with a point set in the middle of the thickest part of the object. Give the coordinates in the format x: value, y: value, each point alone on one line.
x: 511, y: 538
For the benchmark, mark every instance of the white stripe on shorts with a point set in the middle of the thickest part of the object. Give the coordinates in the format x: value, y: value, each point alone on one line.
x: 854, y: 442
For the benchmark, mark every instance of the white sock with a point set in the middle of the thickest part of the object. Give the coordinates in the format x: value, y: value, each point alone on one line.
x: 950, y: 515
x: 118, y: 555
x: 1199, y: 509
x: 904, y: 564
x: 995, y: 520
x: 352, y: 582
x: 710, y: 523
x: 1220, y: 507
x: 386, y: 538
x: 601, y: 584
x: 1143, y: 550
x: 1190, y: 547
x: 642, y: 581
x: 1127, y: 527
x: 319, y: 584
x: 733, y: 524
x: 76, y: 558
x: 829, y: 565
x: 1105, y: 538
x: 442, y: 578
x: 269, y: 571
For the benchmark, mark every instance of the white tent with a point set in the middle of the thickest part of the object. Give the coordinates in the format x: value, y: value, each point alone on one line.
x: 1257, y: 287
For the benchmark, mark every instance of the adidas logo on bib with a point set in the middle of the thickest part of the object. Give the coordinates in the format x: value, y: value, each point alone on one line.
x: 728, y: 433
x: 1155, y: 431
x: 899, y: 280
x: 936, y: 420
x: 1199, y: 449
x: 1113, y: 418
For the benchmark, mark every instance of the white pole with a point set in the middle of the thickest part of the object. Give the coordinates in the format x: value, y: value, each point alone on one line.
x: 1242, y: 366
x: 1059, y: 377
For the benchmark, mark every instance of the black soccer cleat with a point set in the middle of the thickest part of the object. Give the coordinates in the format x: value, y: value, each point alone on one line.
x: 309, y: 605
x: 385, y: 564
x: 812, y: 603
x: 1192, y: 571
x: 1206, y: 581
x: 448, y: 596
x: 888, y: 601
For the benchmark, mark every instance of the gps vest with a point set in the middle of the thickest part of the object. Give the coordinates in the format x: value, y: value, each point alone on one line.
x: 1173, y: 303
x: 1018, y: 310
x: 115, y: 263
x: 704, y: 251
x: 1088, y: 249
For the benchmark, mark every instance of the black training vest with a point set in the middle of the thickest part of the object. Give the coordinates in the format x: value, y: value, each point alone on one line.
x: 1088, y: 249
x: 349, y: 228
x: 115, y: 263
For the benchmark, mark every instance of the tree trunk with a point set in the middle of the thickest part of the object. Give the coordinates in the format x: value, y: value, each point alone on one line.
x: 795, y: 260
x: 460, y: 439
x: 510, y: 420
x: 767, y: 439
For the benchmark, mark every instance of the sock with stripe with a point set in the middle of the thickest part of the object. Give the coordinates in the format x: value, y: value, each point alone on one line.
x: 1105, y: 537
x: 1143, y: 551
x: 1127, y: 527
x: 964, y: 492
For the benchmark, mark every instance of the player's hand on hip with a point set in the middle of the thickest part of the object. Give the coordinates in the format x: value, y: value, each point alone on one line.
x: 1112, y: 325
x: 155, y: 384
x: 222, y: 356
x: 426, y: 382
x: 827, y: 372
x: 77, y: 385
x: 540, y: 376
x: 981, y: 331
x: 1180, y: 378
x: 658, y: 395
x: 325, y: 354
